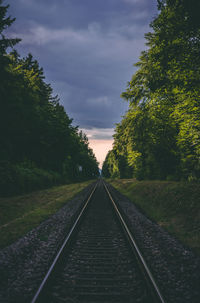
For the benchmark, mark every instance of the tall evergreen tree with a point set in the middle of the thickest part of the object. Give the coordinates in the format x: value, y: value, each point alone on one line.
x: 5, y: 22
x: 39, y: 145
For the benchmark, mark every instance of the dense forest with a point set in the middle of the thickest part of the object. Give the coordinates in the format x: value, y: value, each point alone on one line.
x: 39, y: 146
x: 159, y: 136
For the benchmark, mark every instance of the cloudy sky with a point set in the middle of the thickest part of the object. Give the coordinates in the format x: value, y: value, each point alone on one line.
x: 87, y: 49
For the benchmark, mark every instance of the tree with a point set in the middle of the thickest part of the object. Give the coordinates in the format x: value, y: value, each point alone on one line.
x: 39, y: 144
x: 4, y: 23
x: 160, y: 135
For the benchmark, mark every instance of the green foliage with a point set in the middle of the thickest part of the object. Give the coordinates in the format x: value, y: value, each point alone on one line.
x: 159, y: 137
x: 25, y: 177
x: 110, y: 166
x: 34, y: 127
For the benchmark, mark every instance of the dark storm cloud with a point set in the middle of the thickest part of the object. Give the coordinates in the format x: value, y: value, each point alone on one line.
x: 87, y: 48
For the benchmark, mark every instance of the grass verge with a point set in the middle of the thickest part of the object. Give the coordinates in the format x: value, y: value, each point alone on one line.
x: 173, y: 205
x: 20, y: 214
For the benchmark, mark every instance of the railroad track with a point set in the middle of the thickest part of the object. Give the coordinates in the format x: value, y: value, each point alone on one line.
x: 99, y: 260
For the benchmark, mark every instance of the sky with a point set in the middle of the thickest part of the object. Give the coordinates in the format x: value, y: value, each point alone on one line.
x: 87, y: 49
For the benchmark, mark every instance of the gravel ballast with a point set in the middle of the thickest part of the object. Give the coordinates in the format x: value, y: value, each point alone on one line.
x: 24, y: 263
x: 175, y: 267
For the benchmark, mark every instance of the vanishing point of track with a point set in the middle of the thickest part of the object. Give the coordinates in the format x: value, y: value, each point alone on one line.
x: 99, y: 260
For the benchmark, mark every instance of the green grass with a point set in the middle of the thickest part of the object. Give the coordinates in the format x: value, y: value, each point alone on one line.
x: 173, y: 205
x: 20, y: 214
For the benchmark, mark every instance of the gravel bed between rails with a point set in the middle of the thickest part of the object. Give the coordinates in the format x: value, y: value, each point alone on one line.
x: 24, y: 263
x: 175, y: 267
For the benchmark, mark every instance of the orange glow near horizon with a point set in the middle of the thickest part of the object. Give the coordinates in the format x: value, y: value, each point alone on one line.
x: 100, y: 149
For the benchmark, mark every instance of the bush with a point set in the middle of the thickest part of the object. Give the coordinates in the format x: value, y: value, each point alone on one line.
x: 25, y: 177
x: 7, y: 178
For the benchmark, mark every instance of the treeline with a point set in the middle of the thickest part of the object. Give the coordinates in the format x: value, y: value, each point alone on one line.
x: 159, y: 136
x: 39, y: 146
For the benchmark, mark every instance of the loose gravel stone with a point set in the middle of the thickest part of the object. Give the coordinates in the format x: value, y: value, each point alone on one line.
x: 24, y: 263
x: 175, y: 267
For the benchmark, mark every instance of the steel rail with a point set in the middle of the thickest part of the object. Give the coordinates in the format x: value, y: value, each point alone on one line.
x: 139, y: 254
x: 62, y: 248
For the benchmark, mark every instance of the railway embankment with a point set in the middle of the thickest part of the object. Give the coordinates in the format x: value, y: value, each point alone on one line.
x: 175, y: 266
x: 20, y: 214
x: 175, y: 206
x: 24, y: 263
